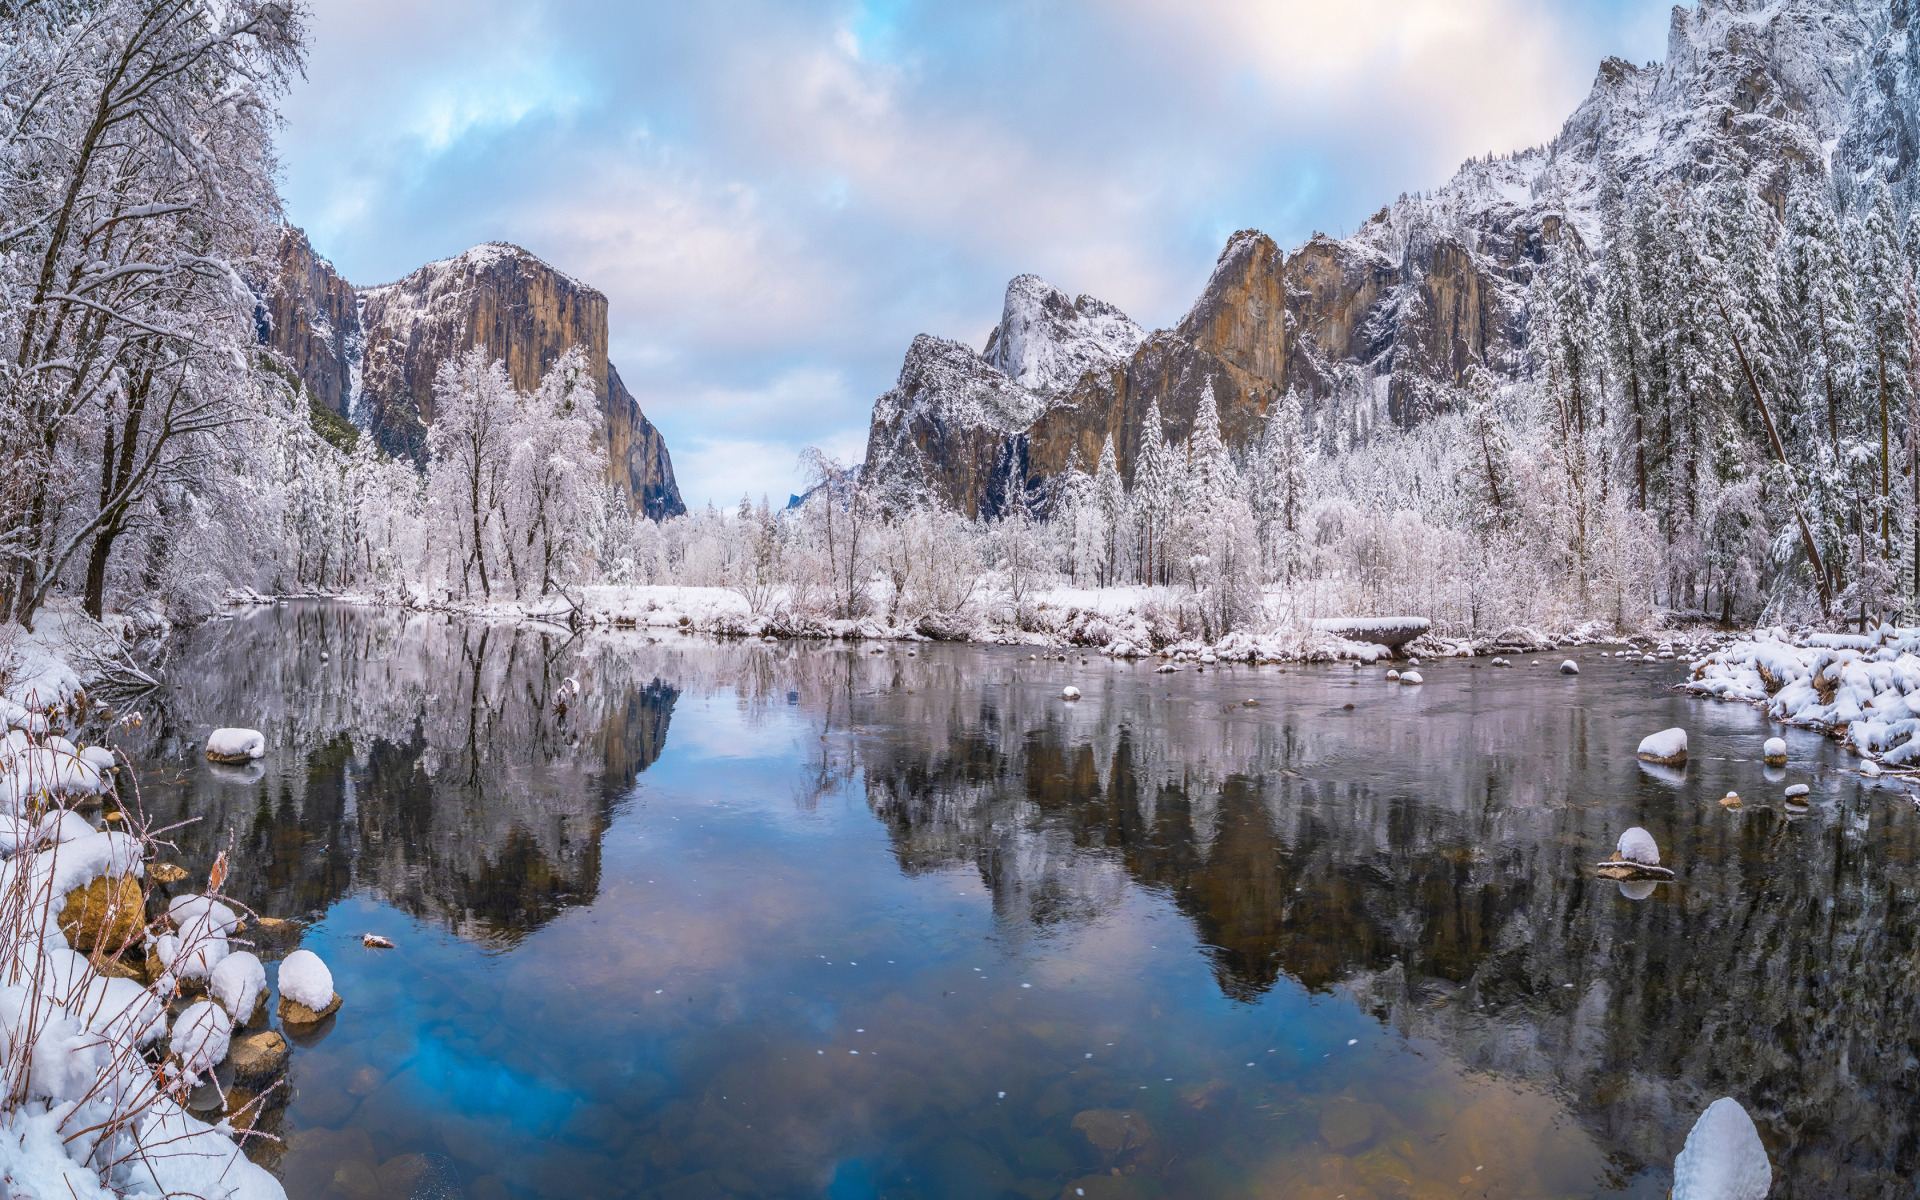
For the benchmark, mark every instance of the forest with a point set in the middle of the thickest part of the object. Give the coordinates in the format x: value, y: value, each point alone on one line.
x: 1714, y: 418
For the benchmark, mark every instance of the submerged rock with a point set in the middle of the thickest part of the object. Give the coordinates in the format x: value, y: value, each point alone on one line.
x: 1723, y: 1158
x: 1668, y: 747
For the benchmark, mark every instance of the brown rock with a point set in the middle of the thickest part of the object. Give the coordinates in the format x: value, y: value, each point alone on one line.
x: 257, y: 1058
x: 166, y: 873
x: 292, y: 1012
x: 1346, y: 1123
x: 105, y: 915
x: 522, y: 310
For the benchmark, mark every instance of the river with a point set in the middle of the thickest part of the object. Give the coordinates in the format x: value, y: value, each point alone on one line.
x: 826, y: 919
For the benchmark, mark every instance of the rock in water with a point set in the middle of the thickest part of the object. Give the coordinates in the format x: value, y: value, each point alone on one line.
x: 1797, y: 794
x: 200, y: 1037
x: 1774, y: 753
x: 1569, y: 667
x: 1637, y: 845
x: 1723, y: 1158
x: 1731, y: 800
x: 306, y: 989
x: 1668, y: 747
x: 1069, y: 693
x: 236, y: 984
x: 1392, y: 675
x: 236, y: 745
x: 257, y: 1058
x: 1411, y: 677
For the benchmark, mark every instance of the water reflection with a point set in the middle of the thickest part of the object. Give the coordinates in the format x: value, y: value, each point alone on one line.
x: 1155, y: 942
x: 424, y: 758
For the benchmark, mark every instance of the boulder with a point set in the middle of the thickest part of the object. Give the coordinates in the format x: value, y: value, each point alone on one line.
x: 236, y: 745
x: 1391, y: 632
x: 292, y: 1012
x: 257, y: 1059
x: 1668, y: 748
x: 105, y: 915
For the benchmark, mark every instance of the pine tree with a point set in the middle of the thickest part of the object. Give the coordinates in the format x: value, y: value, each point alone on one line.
x: 1111, y: 499
x: 1156, y: 489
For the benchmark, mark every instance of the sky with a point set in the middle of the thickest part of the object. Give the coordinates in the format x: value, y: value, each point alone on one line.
x: 776, y: 197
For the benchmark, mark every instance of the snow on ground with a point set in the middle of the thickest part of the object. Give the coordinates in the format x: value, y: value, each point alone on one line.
x: 1864, y: 689
x: 95, y: 1121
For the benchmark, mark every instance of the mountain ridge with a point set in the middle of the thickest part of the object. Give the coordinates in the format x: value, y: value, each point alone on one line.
x: 1381, y: 326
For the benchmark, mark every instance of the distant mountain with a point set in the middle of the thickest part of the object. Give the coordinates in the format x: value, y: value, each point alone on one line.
x: 370, y: 354
x: 1383, y: 325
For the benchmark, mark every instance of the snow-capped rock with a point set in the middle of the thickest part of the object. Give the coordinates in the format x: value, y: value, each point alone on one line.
x: 1046, y: 342
x: 1668, y: 747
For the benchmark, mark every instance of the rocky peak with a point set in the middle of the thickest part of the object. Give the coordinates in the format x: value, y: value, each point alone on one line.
x: 1046, y: 342
x: 371, y: 354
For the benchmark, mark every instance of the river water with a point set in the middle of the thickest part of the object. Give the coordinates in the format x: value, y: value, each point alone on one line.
x: 806, y: 919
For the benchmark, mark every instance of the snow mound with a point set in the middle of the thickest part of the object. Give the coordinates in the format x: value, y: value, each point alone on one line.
x: 200, y: 1037
x: 1723, y: 1158
x: 304, y: 979
x: 1637, y: 845
x: 183, y: 910
x: 236, y: 984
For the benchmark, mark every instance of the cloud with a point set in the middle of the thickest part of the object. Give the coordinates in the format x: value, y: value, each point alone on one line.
x: 777, y: 196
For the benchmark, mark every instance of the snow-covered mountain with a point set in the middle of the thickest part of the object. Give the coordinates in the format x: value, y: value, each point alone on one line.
x: 370, y: 354
x: 1389, y: 319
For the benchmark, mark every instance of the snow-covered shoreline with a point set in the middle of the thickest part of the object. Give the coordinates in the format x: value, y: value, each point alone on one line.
x: 1119, y: 622
x: 91, y: 1103
x: 1861, y: 689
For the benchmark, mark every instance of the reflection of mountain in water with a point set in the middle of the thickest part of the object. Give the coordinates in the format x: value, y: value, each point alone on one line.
x: 422, y: 758
x: 1437, y: 870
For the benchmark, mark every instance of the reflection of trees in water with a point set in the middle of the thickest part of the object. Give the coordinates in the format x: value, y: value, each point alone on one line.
x: 1447, y: 890
x: 421, y: 757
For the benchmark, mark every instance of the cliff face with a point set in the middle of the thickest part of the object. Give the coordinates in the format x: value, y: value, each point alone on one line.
x: 313, y: 319
x: 370, y: 354
x: 1436, y: 283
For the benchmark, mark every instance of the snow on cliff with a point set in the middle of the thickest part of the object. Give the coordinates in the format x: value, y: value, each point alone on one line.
x: 1046, y: 342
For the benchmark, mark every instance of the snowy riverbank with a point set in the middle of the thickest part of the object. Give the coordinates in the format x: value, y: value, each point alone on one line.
x: 91, y: 1105
x: 1862, y: 689
x: 1123, y: 622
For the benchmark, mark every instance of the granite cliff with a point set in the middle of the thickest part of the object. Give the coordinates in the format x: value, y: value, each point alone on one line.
x: 370, y: 354
x: 1382, y: 326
